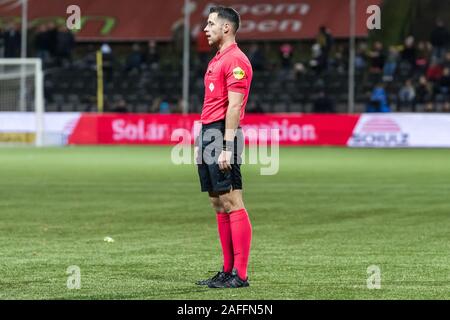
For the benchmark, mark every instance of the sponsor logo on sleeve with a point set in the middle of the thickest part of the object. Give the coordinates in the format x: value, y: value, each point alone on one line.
x: 238, y: 73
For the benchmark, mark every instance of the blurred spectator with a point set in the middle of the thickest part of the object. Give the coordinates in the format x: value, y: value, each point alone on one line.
x: 89, y: 61
x: 434, y: 72
x: 391, y: 64
x: 161, y: 105
x: 360, y: 59
x: 444, y: 83
x: 409, y: 55
x: 338, y: 62
x: 2, y: 44
x: 52, y: 36
x: 439, y: 38
x: 323, y: 103
x: 317, y: 62
x: 12, y: 41
x: 177, y: 105
x: 164, y: 107
x: 378, y: 100
x: 326, y: 41
x: 362, y: 46
x: 424, y: 93
x: 299, y: 70
x: 377, y: 58
x: 152, y: 56
x: 108, y: 61
x: 120, y: 106
x: 446, y: 63
x: 446, y: 107
x: 134, y: 59
x: 41, y: 43
x: 423, y: 55
x: 407, y: 95
x: 106, y: 49
x: 256, y: 57
x: 64, y: 46
x: 286, y: 52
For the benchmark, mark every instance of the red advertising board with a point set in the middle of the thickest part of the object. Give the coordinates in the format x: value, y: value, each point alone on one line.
x: 151, y: 19
x: 146, y: 129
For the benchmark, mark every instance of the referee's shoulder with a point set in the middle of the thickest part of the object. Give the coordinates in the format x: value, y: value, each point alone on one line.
x: 239, y: 55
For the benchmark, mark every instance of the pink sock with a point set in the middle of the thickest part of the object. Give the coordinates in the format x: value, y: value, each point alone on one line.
x: 223, y: 225
x: 241, y: 232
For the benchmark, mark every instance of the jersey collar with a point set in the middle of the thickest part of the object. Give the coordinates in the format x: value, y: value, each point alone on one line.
x: 221, y: 53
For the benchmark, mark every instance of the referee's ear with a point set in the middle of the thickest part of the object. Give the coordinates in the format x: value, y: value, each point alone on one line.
x: 228, y: 28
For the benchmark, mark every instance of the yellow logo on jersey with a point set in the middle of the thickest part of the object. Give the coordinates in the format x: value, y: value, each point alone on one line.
x: 238, y: 73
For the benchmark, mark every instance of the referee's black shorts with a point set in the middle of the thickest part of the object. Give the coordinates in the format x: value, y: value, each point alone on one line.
x: 210, y: 144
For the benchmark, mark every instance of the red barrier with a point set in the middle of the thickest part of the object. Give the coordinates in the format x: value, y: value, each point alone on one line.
x: 155, y: 129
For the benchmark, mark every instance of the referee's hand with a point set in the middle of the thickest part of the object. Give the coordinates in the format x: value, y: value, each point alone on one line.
x: 225, y: 160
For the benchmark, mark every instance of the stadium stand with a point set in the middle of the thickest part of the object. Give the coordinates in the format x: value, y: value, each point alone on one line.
x: 289, y: 75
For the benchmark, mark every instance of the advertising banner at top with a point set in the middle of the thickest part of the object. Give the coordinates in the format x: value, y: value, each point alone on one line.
x: 120, y: 20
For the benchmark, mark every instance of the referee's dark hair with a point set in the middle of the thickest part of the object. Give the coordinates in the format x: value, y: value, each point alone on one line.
x: 228, y: 14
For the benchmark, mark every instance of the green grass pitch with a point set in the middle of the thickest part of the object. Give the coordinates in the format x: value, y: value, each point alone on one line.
x: 328, y: 215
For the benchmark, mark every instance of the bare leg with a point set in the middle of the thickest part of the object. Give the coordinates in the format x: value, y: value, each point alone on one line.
x: 232, y: 200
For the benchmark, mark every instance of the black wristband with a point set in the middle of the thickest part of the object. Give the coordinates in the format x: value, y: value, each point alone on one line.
x: 228, y: 145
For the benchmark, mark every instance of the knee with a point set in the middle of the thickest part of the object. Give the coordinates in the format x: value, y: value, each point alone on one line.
x: 232, y: 202
x: 217, y: 205
x: 228, y: 205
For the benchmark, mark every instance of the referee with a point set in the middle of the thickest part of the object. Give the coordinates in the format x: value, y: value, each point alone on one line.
x: 220, y: 144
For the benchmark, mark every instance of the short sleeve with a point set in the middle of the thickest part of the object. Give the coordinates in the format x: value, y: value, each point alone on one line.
x: 235, y: 76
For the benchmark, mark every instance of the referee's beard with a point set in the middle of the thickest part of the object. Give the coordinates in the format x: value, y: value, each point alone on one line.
x: 216, y: 43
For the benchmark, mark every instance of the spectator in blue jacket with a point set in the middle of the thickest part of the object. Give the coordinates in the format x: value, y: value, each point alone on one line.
x: 378, y: 100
